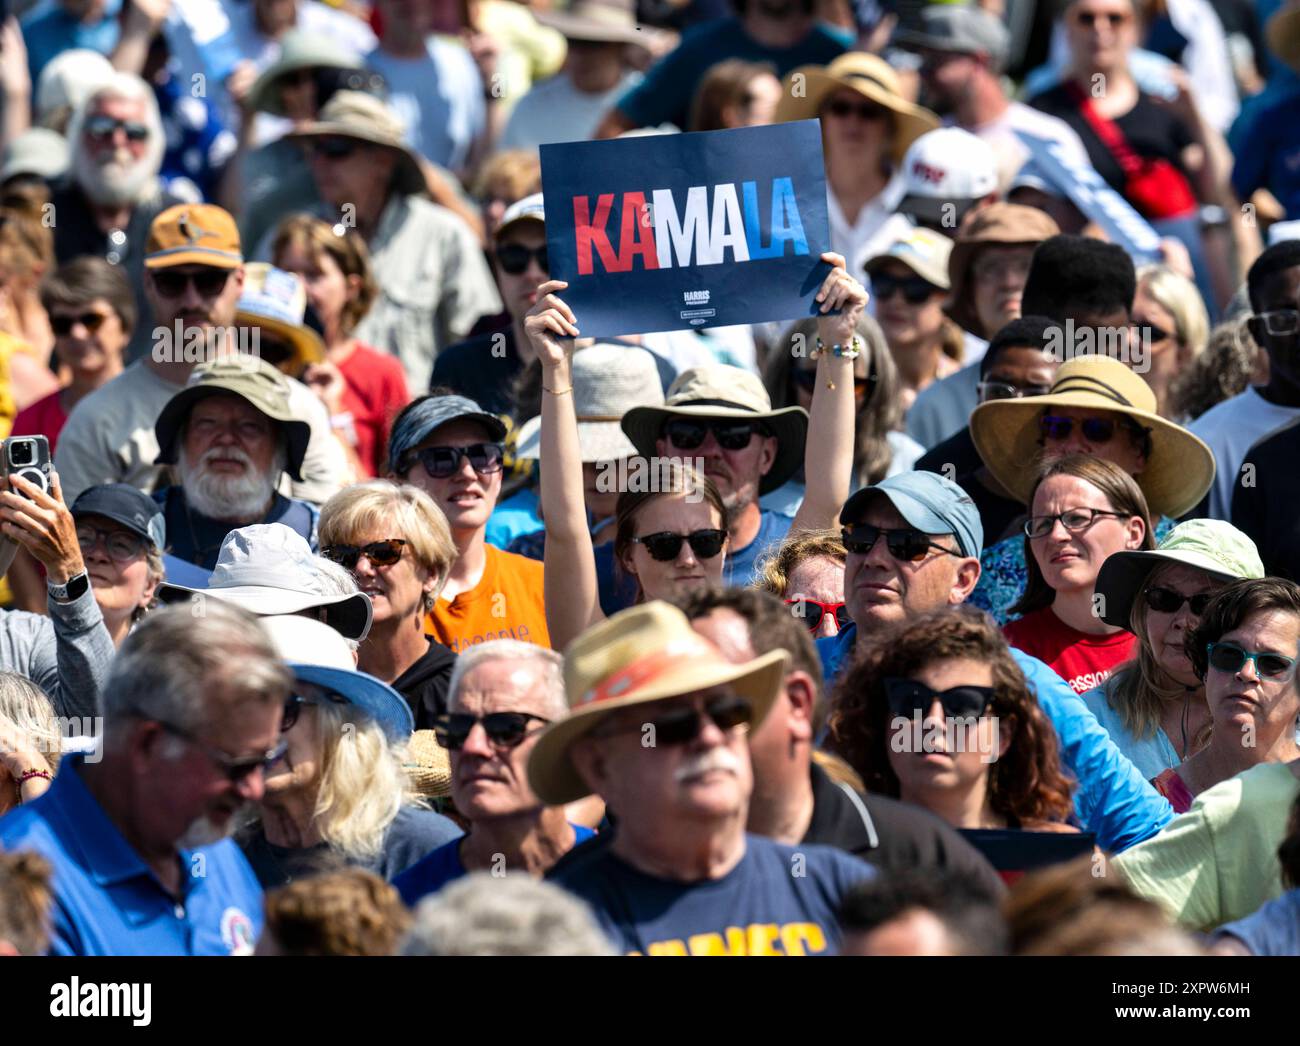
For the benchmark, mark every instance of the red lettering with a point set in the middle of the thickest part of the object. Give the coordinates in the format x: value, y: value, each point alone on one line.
x: 638, y: 236
x: 591, y: 233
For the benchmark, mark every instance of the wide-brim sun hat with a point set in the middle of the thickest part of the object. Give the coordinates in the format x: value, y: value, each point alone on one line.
x: 608, y: 381
x: 1178, y: 471
x: 717, y: 390
x: 868, y: 75
x: 268, y: 569
x: 299, y: 49
x: 998, y: 225
x: 276, y: 301
x: 317, y: 654
x: 428, y: 765
x: 598, y: 21
x: 356, y: 114
x: 639, y: 656
x: 1211, y: 545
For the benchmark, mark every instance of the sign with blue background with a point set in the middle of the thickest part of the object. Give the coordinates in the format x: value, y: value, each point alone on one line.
x: 670, y: 232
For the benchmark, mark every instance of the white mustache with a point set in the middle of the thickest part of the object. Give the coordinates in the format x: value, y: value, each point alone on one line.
x: 715, y: 759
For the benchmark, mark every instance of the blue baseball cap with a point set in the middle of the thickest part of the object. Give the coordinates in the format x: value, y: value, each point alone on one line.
x: 414, y: 425
x: 928, y: 502
x: 126, y: 505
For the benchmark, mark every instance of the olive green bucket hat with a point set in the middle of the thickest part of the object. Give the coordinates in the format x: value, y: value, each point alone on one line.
x: 255, y: 381
x: 1212, y: 545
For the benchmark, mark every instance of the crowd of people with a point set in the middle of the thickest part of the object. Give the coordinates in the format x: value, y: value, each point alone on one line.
x: 356, y: 602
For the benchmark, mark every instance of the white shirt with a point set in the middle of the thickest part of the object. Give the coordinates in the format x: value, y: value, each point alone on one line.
x: 877, y: 227
x: 1230, y: 429
x: 556, y: 111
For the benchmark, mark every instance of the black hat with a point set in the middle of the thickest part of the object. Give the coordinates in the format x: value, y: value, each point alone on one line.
x: 124, y: 504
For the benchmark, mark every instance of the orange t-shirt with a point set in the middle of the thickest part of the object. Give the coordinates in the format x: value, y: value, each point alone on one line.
x: 507, y: 603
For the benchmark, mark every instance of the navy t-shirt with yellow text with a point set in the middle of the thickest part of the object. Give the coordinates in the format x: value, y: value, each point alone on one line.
x: 779, y: 900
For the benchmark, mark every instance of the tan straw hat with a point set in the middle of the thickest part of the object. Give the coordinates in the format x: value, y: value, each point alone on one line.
x: 356, y: 114
x: 717, y: 390
x: 873, y: 78
x: 645, y: 654
x: 598, y: 21
x: 428, y: 765
x: 999, y: 224
x: 1178, y: 471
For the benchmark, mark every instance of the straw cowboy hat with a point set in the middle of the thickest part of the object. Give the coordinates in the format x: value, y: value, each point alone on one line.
x: 645, y: 654
x: 356, y: 114
x: 1282, y: 32
x: 871, y: 77
x: 608, y: 381
x: 428, y: 765
x: 717, y: 390
x: 1178, y: 471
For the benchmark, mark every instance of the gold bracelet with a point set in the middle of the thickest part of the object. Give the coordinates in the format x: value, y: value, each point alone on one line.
x: 557, y: 392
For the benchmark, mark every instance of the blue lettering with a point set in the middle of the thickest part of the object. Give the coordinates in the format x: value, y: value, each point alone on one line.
x: 786, y: 227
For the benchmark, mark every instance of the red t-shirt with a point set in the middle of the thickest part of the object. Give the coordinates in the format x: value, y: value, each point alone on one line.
x: 1082, y: 659
x: 45, y: 417
x: 375, y: 392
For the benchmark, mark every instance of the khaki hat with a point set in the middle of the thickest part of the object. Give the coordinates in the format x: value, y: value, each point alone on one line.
x: 356, y: 114
x: 1212, y: 545
x: 428, y: 765
x: 1282, y: 32
x: 299, y: 49
x: 873, y: 78
x: 1179, y: 469
x: 717, y: 390
x: 645, y: 654
x: 924, y: 251
x: 1006, y: 224
x: 194, y: 234
x: 599, y: 21
x: 254, y: 380
x: 276, y: 301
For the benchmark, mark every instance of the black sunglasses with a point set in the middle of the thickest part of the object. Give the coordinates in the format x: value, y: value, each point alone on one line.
x: 208, y: 282
x: 235, y: 769
x: 444, y: 462
x: 915, y: 290
x: 1088, y: 19
x: 380, y: 553
x: 293, y: 707
x: 1167, y: 601
x: 682, y: 725
x: 1095, y: 430
x: 812, y: 611
x: 503, y: 729
x: 62, y: 324
x: 731, y: 435
x: 513, y: 258
x: 908, y: 696
x: 665, y: 545
x: 106, y: 126
x: 334, y: 148
x: 907, y: 544
x: 1228, y: 657
x: 842, y: 107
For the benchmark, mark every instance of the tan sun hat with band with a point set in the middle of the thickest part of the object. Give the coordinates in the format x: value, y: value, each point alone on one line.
x: 868, y: 75
x: 1178, y: 471
x: 645, y: 654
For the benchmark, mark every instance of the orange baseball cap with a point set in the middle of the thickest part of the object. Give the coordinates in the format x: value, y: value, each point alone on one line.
x: 194, y: 234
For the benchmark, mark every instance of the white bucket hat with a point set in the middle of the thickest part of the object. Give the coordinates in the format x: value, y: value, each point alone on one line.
x: 608, y: 381
x: 269, y: 570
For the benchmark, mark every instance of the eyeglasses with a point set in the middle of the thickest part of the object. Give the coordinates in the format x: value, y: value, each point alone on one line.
x: 120, y: 545
x: 842, y: 107
x: 293, y: 706
x: 513, y: 258
x: 1228, y: 657
x: 1280, y: 322
x: 1004, y: 390
x: 906, y: 696
x: 380, y: 553
x: 1075, y: 520
x: 503, y: 729
x: 731, y: 435
x: 444, y: 462
x: 334, y: 148
x: 1167, y: 601
x: 234, y: 768
x: 208, y: 282
x: 682, y: 725
x: 907, y: 544
x: 1088, y: 19
x: 665, y: 546
x: 806, y: 379
x: 800, y: 608
x: 915, y: 290
x: 62, y: 324
x: 107, y: 126
x: 1095, y: 430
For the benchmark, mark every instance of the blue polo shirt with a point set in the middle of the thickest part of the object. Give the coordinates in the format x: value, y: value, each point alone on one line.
x: 106, y: 899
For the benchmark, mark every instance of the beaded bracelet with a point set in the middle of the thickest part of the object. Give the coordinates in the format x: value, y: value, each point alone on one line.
x: 850, y: 352
x: 27, y: 775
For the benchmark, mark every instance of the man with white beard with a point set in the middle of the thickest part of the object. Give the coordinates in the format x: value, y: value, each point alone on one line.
x: 138, y: 840
x: 112, y: 193
x: 230, y: 433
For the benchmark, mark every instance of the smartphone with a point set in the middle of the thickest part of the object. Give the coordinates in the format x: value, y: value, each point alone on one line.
x: 29, y: 457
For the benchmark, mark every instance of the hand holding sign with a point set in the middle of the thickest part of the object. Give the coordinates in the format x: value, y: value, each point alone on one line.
x: 546, y: 320
x: 839, y: 291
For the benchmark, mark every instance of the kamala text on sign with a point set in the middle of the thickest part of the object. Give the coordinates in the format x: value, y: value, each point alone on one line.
x: 677, y: 231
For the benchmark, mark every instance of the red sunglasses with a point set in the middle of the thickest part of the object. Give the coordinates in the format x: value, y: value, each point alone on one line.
x: 803, y: 610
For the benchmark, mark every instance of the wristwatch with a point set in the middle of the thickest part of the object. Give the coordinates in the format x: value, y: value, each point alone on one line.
x: 75, y: 588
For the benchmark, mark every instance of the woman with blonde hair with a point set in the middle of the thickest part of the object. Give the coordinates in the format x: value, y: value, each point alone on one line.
x: 807, y: 572
x: 30, y: 741
x: 395, y: 541
x: 339, y: 794
x: 1172, y: 327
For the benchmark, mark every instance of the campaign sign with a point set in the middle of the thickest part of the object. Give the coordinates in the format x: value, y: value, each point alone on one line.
x: 670, y: 232
x: 1090, y: 192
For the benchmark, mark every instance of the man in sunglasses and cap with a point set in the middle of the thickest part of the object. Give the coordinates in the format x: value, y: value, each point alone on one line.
x: 658, y: 726
x: 913, y: 543
x: 139, y: 840
x: 452, y: 449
